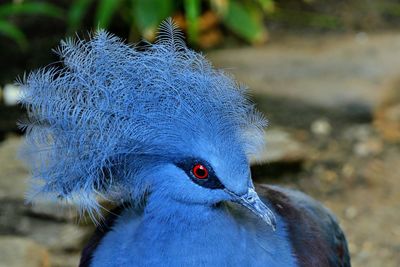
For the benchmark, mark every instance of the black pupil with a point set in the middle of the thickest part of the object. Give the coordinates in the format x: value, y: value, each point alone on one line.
x: 200, y: 172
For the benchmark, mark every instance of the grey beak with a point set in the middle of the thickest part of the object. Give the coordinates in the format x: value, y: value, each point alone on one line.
x: 253, y: 202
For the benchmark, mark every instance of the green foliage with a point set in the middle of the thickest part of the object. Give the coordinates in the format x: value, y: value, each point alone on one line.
x: 10, y: 30
x: 76, y: 13
x: 267, y: 5
x: 147, y: 14
x: 192, y: 11
x: 243, y: 17
x: 105, y: 12
x: 142, y: 14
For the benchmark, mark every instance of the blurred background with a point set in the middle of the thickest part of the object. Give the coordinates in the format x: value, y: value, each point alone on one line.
x: 325, y: 72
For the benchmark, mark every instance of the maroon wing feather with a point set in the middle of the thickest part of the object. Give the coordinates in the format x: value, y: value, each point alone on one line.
x: 316, y: 237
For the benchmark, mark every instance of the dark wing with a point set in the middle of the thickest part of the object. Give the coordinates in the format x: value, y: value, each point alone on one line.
x: 101, y: 230
x: 314, y: 232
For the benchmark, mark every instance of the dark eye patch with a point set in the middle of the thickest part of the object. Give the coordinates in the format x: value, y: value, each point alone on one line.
x: 203, y: 176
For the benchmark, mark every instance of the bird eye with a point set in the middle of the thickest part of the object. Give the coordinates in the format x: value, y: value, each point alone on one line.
x: 200, y: 171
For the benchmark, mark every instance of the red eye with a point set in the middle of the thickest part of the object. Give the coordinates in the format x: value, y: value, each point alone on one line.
x: 200, y: 171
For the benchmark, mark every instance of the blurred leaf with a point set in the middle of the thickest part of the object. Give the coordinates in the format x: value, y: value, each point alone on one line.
x: 219, y: 5
x: 267, y: 5
x: 192, y: 12
x: 76, y: 13
x: 31, y: 9
x: 245, y: 20
x: 11, y: 31
x: 105, y: 11
x: 149, y: 13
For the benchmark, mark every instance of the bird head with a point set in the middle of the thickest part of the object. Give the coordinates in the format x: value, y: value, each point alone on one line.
x: 120, y: 122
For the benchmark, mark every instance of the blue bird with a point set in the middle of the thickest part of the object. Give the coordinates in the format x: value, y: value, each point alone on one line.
x: 160, y: 132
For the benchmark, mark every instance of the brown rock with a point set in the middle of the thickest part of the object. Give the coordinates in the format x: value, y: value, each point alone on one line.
x: 18, y: 252
x: 321, y: 127
x: 369, y: 147
x: 331, y: 72
x: 387, y: 114
x: 281, y: 147
x: 59, y: 236
x: 55, y: 210
x: 65, y: 259
x: 13, y: 174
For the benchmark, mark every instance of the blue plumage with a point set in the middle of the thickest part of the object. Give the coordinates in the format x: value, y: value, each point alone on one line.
x: 159, y: 129
x: 210, y: 239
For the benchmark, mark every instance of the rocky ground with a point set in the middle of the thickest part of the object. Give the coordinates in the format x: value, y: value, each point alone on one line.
x: 338, y: 98
x: 321, y: 98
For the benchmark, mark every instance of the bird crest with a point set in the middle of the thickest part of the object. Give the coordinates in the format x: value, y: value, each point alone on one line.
x: 98, y: 123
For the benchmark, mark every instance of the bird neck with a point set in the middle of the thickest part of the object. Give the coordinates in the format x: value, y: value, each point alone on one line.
x: 170, y: 211
x: 172, y: 233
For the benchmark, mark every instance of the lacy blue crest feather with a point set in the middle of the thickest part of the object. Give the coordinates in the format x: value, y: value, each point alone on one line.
x: 96, y: 125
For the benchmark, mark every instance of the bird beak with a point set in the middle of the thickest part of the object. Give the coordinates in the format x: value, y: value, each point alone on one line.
x: 253, y: 202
